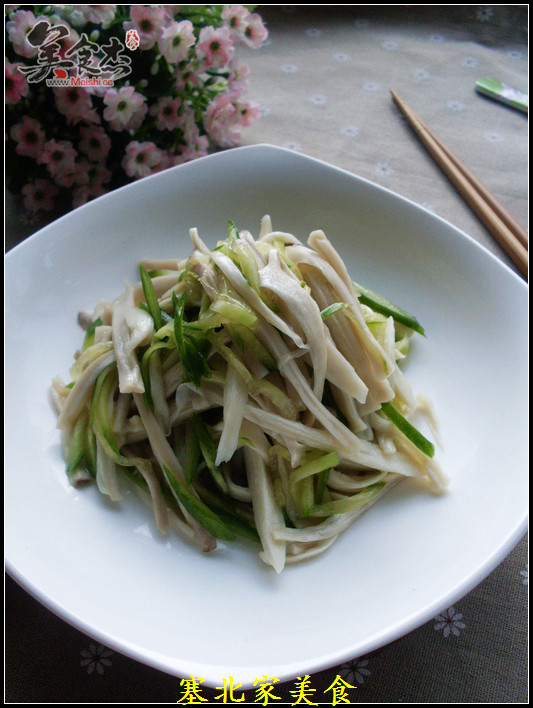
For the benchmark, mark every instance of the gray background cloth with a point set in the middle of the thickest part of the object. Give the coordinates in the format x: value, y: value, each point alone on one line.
x: 323, y: 84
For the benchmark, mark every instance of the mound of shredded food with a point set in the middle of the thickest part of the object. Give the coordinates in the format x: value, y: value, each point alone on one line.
x: 250, y: 390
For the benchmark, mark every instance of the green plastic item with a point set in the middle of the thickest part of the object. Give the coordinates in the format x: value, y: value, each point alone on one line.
x: 497, y: 90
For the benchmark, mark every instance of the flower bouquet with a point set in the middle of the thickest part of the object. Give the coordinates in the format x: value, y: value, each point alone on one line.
x: 100, y: 95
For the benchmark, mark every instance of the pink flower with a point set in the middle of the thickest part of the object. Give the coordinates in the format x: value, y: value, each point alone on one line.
x: 65, y: 179
x: 85, y: 192
x: 247, y: 112
x: 24, y: 21
x: 176, y: 40
x: 89, y: 181
x: 235, y: 17
x: 18, y: 29
x: 148, y: 20
x: 167, y: 111
x: 171, y: 11
x: 76, y: 105
x: 59, y: 156
x: 225, y: 116
x: 98, y: 14
x: 15, y: 85
x: 143, y: 159
x: 95, y: 142
x: 186, y: 99
x: 221, y: 121
x: 97, y: 173
x: 69, y: 40
x: 197, y: 144
x: 243, y: 26
x: 91, y: 173
x: 186, y: 153
x: 237, y: 78
x: 39, y: 195
x: 81, y: 176
x: 215, y: 47
x: 29, y: 137
x: 125, y: 109
x: 255, y: 32
x: 187, y: 74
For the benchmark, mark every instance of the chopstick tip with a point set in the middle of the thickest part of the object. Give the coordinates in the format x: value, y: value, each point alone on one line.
x: 397, y: 100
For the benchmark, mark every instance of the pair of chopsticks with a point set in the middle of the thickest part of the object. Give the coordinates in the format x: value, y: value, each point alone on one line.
x: 507, y: 231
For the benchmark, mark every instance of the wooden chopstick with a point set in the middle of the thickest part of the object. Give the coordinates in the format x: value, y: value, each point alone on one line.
x: 508, y: 219
x: 502, y: 225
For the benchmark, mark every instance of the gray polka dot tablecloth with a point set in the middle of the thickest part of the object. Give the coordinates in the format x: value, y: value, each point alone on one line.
x: 322, y: 82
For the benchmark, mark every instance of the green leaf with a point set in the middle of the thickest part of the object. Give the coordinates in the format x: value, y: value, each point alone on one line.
x: 234, y: 312
x: 247, y: 341
x: 321, y: 483
x: 379, y: 304
x: 315, y: 466
x: 98, y: 406
x: 198, y: 509
x: 342, y: 506
x: 76, y: 450
x: 332, y: 309
x: 145, y: 369
x: 89, y: 334
x: 233, y: 233
x: 190, y: 349
x: 408, y: 429
x: 90, y: 451
x: 209, y: 452
x: 234, y: 516
x: 303, y: 493
x: 150, y: 297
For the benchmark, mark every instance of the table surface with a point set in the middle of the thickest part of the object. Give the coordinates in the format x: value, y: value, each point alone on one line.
x: 323, y: 84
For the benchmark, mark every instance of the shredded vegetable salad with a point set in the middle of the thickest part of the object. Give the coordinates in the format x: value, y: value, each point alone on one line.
x: 250, y: 390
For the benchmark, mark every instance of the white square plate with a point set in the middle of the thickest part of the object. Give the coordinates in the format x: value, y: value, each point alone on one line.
x: 107, y: 571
